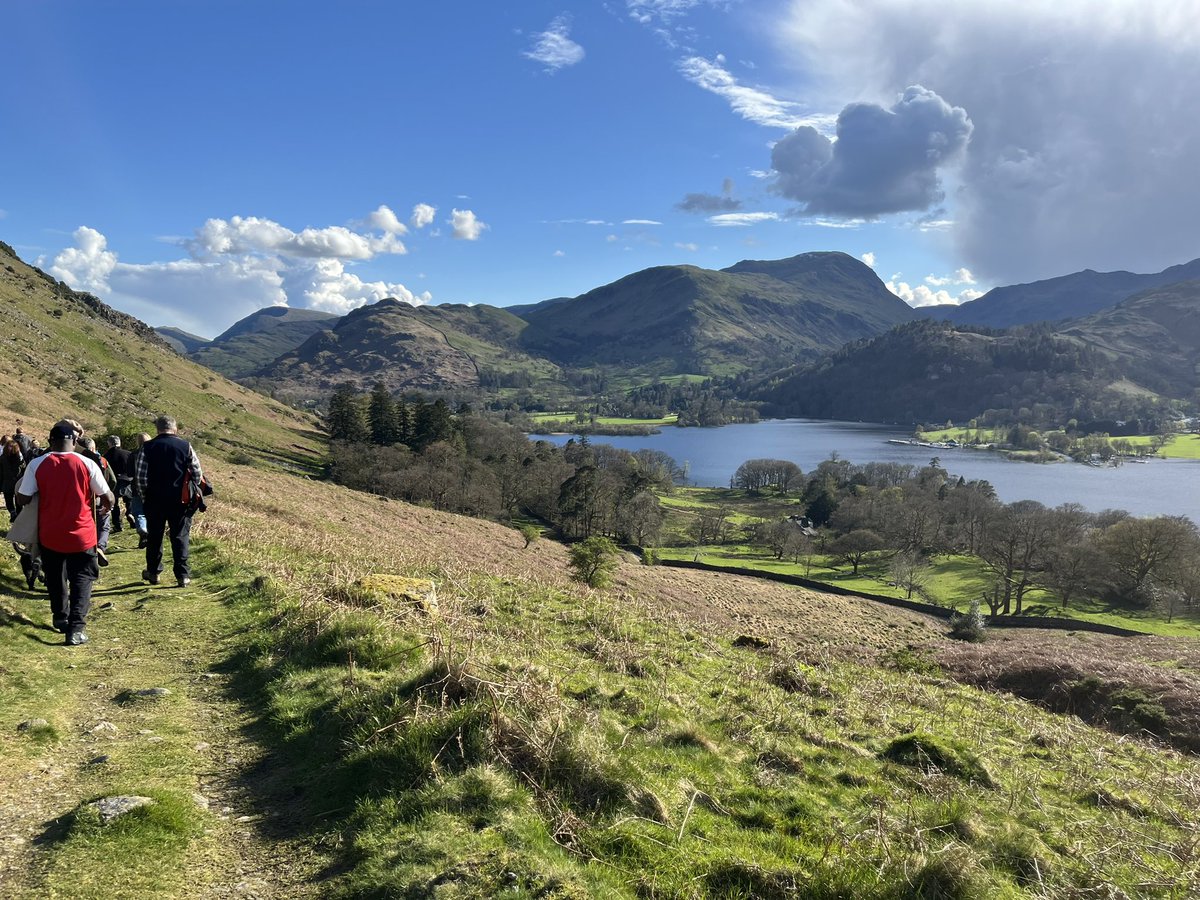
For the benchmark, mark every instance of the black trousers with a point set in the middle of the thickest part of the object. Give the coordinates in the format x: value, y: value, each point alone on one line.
x: 69, y: 579
x: 177, y: 523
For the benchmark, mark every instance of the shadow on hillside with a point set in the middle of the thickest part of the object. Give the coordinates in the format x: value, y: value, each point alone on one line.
x: 291, y: 778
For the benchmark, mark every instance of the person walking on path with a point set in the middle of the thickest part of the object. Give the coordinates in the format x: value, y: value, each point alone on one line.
x: 12, y: 466
x: 67, y: 484
x: 136, y: 509
x: 118, y: 459
x: 168, y: 474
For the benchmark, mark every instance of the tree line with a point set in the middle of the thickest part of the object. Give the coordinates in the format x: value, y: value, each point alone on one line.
x: 419, y: 450
x: 906, y: 515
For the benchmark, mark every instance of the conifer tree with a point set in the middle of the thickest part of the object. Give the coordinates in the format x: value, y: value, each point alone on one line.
x: 345, y: 419
x: 381, y: 414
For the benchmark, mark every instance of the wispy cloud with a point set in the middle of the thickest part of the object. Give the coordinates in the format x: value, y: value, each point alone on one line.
x: 689, y: 246
x: 640, y: 222
x: 553, y: 48
x: 837, y: 223
x: 742, y: 219
x: 960, y: 276
x: 753, y: 104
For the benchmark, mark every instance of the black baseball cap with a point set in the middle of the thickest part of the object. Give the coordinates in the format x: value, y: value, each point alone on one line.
x: 64, y: 428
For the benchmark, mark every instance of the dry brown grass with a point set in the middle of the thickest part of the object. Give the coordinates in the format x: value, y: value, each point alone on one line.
x: 1051, y: 667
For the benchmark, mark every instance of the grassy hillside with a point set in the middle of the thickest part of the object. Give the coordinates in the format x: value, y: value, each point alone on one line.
x: 1117, y: 364
x: 681, y: 734
x: 69, y: 354
x: 260, y: 338
x: 412, y: 347
x: 674, y: 319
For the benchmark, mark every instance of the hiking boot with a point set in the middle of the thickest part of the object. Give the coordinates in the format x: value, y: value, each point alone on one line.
x: 149, y: 576
x: 184, y: 581
x: 76, y: 638
x: 101, y: 557
x: 60, y: 625
x: 143, y: 540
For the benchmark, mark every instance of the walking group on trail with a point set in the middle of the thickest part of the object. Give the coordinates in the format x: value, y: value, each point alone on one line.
x: 63, y: 502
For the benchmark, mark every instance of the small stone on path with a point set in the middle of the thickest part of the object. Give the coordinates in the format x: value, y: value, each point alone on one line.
x: 154, y: 693
x: 31, y: 724
x: 111, y: 808
x: 104, y: 727
x: 97, y: 760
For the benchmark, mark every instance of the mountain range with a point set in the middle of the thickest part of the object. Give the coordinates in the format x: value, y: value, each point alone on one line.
x: 1058, y: 299
x: 818, y: 334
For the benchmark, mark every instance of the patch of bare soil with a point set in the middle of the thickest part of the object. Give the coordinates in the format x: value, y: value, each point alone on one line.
x: 1145, y: 685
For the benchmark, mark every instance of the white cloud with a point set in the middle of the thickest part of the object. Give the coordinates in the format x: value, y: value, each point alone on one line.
x: 960, y: 276
x: 612, y: 238
x: 753, y: 104
x: 422, y: 215
x: 868, y: 258
x: 837, y: 223
x: 87, y: 265
x: 553, y: 48
x: 236, y: 266
x: 3, y: 213
x: 559, y: 253
x: 326, y: 285
x: 383, y: 219
x: 640, y: 222
x: 465, y: 225
x: 1085, y: 141
x: 923, y: 295
x: 253, y: 235
x: 689, y: 247
x: 726, y: 220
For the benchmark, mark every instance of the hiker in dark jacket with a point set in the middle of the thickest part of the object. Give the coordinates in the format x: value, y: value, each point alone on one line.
x: 119, y: 459
x: 168, y: 474
x: 12, y: 467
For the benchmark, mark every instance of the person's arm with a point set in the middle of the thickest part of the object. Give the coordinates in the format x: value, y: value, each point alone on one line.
x: 100, y: 487
x: 27, y: 486
x: 197, y: 473
x: 141, y: 473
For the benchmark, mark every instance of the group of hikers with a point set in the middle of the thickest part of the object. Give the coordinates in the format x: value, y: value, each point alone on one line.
x: 64, y: 502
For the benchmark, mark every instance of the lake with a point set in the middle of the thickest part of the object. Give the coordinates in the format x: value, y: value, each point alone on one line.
x: 712, y: 455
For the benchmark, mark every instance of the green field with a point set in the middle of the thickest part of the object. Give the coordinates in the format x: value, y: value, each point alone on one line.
x: 954, y: 581
x: 1180, y: 446
x: 567, y: 419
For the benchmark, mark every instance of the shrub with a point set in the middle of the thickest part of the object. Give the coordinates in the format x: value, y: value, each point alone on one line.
x: 530, y: 533
x: 932, y: 754
x: 593, y: 561
x: 970, y: 627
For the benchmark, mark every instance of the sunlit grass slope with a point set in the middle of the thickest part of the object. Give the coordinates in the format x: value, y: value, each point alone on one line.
x: 65, y: 355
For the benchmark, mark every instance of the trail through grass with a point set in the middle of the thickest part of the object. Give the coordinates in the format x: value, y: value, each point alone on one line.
x: 210, y: 833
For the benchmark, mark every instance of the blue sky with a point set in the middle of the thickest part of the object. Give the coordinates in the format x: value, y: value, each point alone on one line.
x: 190, y: 162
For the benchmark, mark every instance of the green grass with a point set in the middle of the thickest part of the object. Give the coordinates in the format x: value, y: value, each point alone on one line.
x: 1180, y: 446
x: 954, y: 581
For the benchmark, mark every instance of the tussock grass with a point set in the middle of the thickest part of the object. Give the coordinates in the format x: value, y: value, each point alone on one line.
x: 539, y: 739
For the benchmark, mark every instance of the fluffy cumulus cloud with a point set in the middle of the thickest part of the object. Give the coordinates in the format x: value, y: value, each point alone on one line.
x: 87, y: 265
x: 422, y: 215
x: 868, y: 258
x: 553, y: 48
x: 235, y: 266
x: 883, y: 161
x: 933, y: 292
x: 1086, y: 136
x: 465, y: 225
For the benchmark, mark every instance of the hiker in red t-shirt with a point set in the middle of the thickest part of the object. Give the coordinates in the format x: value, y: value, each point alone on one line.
x: 66, y: 483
